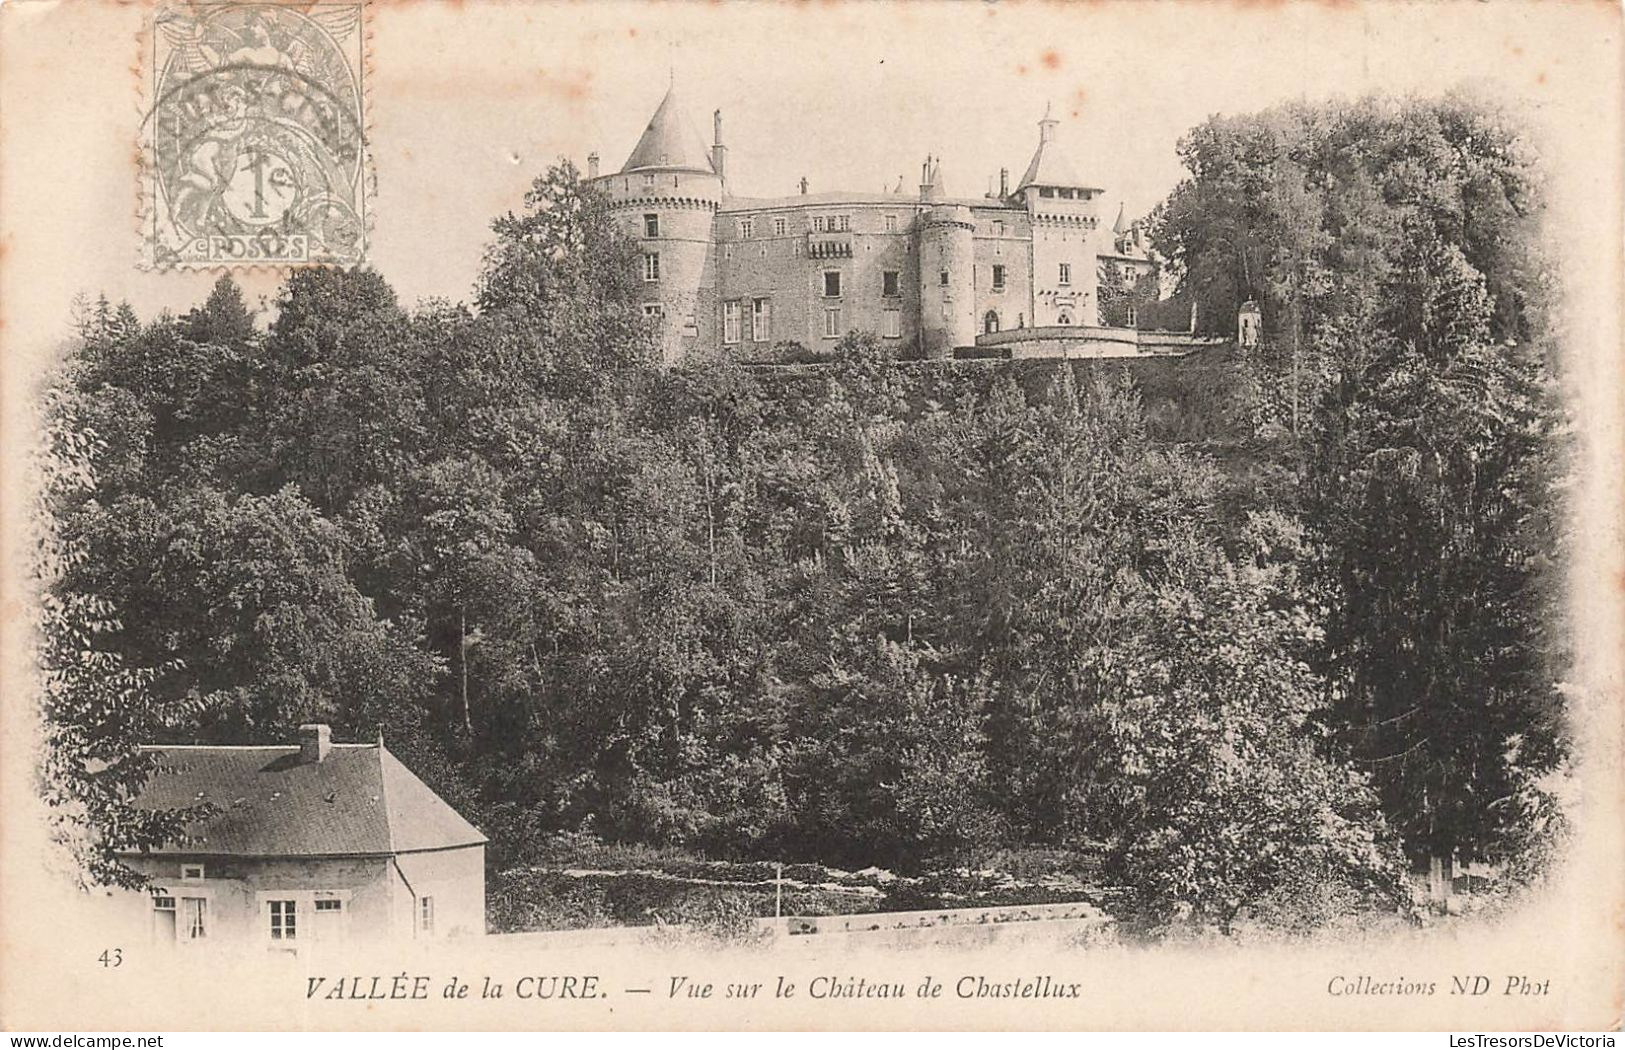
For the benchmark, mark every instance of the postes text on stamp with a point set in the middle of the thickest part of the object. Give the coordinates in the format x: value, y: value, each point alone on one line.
x: 254, y: 149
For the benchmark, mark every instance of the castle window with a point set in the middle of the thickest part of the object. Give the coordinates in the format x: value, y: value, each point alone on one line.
x: 942, y: 278
x: 891, y: 224
x: 890, y: 284
x: 651, y: 225
x: 727, y: 251
x: 730, y: 322
x: 1045, y: 191
x: 990, y: 322
x: 747, y: 228
x: 841, y: 223
x: 649, y: 180
x: 998, y: 228
x: 654, y: 310
x: 894, y: 324
x: 998, y: 278
x: 651, y: 266
x: 832, y: 284
x: 1066, y: 273
x: 1064, y: 319
x: 758, y: 321
x: 832, y: 322
x: 820, y: 224
x: 779, y: 226
x: 1133, y: 316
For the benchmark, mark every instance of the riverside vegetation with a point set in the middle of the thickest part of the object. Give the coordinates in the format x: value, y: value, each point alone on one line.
x: 1244, y: 636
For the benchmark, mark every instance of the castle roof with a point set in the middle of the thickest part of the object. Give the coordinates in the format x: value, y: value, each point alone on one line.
x: 670, y: 141
x: 1121, y: 226
x: 834, y: 198
x: 1049, y: 167
x: 359, y: 800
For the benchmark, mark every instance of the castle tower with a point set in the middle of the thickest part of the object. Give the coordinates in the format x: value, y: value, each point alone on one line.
x: 1066, y: 236
x: 947, y: 279
x: 667, y: 193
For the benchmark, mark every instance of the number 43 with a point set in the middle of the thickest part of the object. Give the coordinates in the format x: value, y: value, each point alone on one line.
x: 111, y: 957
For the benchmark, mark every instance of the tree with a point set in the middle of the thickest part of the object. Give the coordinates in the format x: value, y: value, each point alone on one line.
x: 96, y: 708
x: 571, y: 271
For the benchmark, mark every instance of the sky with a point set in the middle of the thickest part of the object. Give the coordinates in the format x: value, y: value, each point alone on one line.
x: 470, y: 101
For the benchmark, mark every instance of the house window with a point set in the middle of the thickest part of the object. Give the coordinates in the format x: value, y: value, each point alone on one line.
x: 998, y: 277
x: 651, y: 266
x: 329, y: 904
x: 758, y: 321
x: 890, y: 283
x: 163, y: 919
x: 1066, y: 273
x: 990, y: 322
x: 779, y: 226
x: 426, y: 915
x: 651, y: 225
x: 894, y: 324
x: 191, y: 871
x: 832, y: 322
x: 832, y: 284
x: 654, y: 310
x: 284, y: 920
x: 891, y: 224
x: 730, y: 322
x: 193, y: 920
x: 747, y: 228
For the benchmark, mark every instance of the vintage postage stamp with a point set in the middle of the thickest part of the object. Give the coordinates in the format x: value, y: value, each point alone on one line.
x: 254, y: 148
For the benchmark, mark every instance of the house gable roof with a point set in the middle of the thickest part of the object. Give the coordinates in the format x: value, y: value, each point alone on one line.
x: 359, y: 800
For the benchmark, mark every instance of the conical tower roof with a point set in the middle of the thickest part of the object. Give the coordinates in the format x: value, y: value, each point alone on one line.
x: 669, y: 141
x: 1121, y: 226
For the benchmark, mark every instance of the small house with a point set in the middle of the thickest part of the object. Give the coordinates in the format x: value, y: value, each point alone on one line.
x: 319, y: 844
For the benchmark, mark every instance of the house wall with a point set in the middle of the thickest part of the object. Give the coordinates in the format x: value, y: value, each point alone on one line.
x: 236, y: 890
x: 453, y: 878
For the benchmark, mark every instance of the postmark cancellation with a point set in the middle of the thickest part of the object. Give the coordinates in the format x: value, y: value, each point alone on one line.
x: 254, y: 146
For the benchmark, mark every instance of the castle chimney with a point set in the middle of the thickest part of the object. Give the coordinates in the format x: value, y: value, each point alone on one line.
x: 592, y: 165
x: 1004, y: 182
x: 719, y: 152
x: 803, y: 185
x: 315, y: 741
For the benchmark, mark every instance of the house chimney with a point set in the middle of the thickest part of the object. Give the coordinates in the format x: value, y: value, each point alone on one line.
x: 1004, y: 182
x: 315, y: 741
x: 592, y: 165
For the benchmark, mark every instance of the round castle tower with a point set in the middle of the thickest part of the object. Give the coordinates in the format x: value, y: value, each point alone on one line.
x: 947, y: 271
x: 667, y: 194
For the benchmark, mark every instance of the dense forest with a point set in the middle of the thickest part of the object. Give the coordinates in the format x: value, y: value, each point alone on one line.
x: 1233, y: 625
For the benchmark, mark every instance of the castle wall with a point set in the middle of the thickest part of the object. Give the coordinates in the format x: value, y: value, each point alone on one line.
x: 1065, y: 234
x: 788, y: 271
x: 1010, y: 249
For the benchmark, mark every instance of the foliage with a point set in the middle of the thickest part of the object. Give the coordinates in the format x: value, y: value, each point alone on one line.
x: 1169, y: 614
